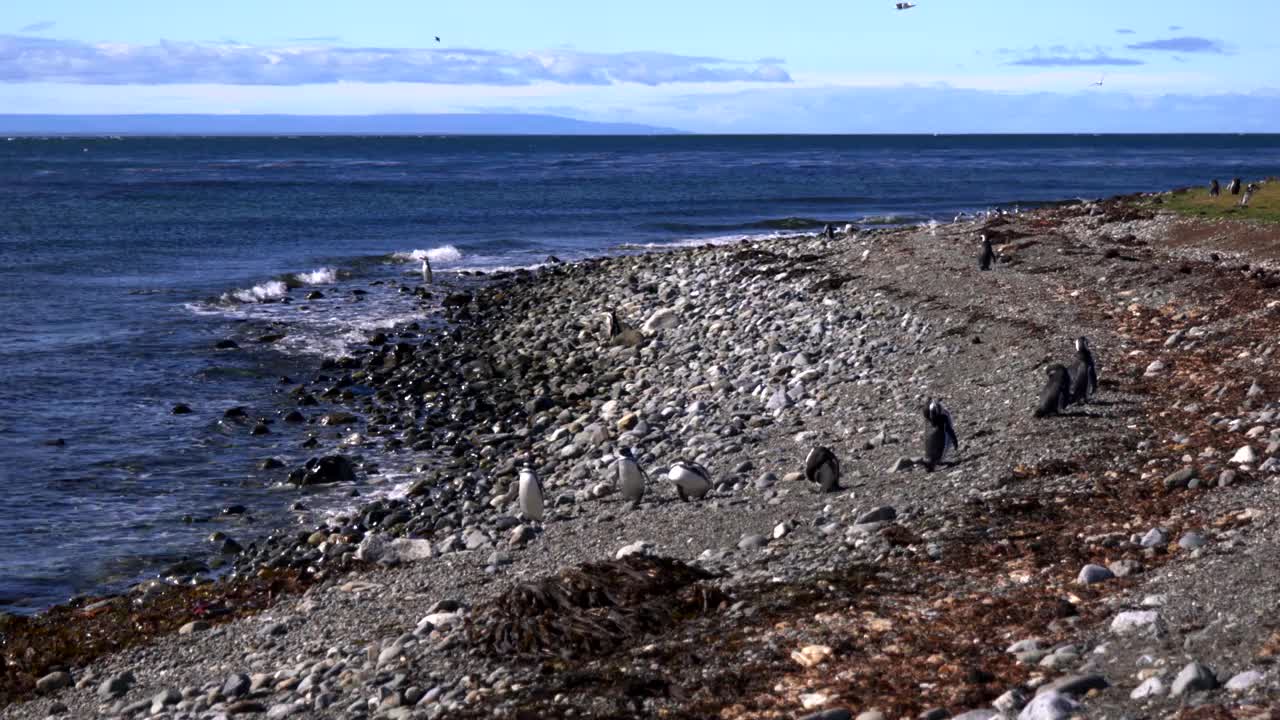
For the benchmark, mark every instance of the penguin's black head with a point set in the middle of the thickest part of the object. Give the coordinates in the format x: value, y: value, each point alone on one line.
x: 1082, y: 343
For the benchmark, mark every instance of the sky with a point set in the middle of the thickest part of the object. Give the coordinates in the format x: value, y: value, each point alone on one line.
x: 696, y: 65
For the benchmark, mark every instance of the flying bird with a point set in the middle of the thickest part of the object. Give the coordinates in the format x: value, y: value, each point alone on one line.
x: 1099, y: 83
x: 904, y: 5
x: 437, y: 38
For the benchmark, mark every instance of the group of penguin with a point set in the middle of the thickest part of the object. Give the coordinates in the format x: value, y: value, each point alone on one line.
x: 1064, y: 386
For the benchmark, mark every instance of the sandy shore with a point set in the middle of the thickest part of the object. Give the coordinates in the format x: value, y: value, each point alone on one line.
x: 906, y: 592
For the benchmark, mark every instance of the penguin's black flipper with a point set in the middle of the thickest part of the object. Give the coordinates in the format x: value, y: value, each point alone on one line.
x: 951, y: 434
x: 681, y: 495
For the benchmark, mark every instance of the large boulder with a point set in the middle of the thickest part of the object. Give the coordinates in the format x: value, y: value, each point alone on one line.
x: 324, y: 471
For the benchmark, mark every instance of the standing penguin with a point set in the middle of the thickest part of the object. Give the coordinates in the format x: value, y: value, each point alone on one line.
x: 822, y: 467
x: 427, y: 276
x: 631, y: 477
x: 531, y: 495
x: 1214, y: 188
x: 829, y: 231
x: 1056, y: 395
x: 940, y: 437
x: 690, y: 478
x: 1234, y: 187
x: 986, y: 255
x: 1084, y: 374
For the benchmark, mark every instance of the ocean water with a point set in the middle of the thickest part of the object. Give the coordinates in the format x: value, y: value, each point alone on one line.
x: 123, y: 261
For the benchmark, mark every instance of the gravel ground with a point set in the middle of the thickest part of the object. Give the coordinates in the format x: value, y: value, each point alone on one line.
x: 902, y: 593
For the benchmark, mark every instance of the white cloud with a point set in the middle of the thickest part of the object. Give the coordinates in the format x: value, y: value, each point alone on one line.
x: 29, y: 60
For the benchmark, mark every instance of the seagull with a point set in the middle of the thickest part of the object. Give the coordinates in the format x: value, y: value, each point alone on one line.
x: 1099, y: 83
x: 905, y: 5
x: 437, y: 38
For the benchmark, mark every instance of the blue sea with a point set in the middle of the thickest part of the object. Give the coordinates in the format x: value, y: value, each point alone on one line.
x: 124, y: 261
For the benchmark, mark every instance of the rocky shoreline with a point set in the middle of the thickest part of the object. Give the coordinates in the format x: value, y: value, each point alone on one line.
x: 1111, y: 561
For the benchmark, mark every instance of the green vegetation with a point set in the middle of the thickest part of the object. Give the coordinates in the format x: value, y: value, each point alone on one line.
x: 1195, y: 202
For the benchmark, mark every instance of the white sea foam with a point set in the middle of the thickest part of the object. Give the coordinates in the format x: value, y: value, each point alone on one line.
x: 263, y: 292
x: 319, y: 276
x: 443, y: 254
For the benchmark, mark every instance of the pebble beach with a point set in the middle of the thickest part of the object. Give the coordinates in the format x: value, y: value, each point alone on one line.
x: 1113, y: 561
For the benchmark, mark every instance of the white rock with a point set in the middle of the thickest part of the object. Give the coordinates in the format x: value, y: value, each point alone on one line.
x: 660, y: 319
x: 440, y: 620
x: 813, y: 700
x: 1135, y: 621
x: 1244, y: 456
x: 1244, y: 681
x: 1151, y: 687
x: 780, y: 531
x: 641, y: 547
x: 377, y: 548
x: 1049, y: 706
x: 1155, y: 368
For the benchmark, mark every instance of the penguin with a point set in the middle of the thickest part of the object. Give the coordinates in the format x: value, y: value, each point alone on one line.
x: 849, y: 229
x: 986, y: 255
x: 940, y: 438
x: 1056, y: 394
x: 690, y: 478
x: 1084, y: 374
x: 1234, y: 187
x: 631, y: 477
x: 829, y: 231
x: 823, y: 467
x: 427, y: 277
x: 1214, y: 189
x: 531, y: 495
x: 612, y: 325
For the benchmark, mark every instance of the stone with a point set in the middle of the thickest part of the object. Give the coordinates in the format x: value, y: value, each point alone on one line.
x: 902, y: 464
x: 378, y: 548
x: 1243, y: 681
x: 777, y: 401
x: 1049, y: 706
x: 832, y: 714
x: 1194, y: 677
x: 983, y: 714
x: 1155, y: 368
x: 1130, y: 622
x: 1180, y: 479
x: 752, y: 542
x: 780, y: 531
x: 1010, y: 702
x: 195, y: 626
x: 1151, y: 687
x: 115, y: 686
x: 1075, y: 685
x: 1155, y: 537
x: 1091, y: 574
x: 1026, y: 645
x: 324, y: 471
x: 884, y: 513
x: 1191, y: 541
x: 933, y: 714
x: 235, y: 686
x: 1244, y: 456
x: 811, y: 655
x: 165, y: 698
x: 53, y: 682
x: 641, y: 547
x: 661, y: 319
x: 871, y: 715
x: 521, y: 535
x: 1125, y: 568
x: 247, y: 707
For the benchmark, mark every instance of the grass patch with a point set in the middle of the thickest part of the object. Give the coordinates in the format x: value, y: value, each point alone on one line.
x: 1195, y: 202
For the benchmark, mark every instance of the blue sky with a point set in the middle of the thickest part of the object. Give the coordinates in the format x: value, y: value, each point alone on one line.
x: 747, y: 66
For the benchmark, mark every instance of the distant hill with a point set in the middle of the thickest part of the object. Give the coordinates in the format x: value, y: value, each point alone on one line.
x: 444, y: 124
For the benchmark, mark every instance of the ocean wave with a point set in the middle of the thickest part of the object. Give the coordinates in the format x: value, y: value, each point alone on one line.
x: 443, y: 254
x: 319, y: 276
x: 784, y: 223
x: 698, y: 242
x: 263, y: 292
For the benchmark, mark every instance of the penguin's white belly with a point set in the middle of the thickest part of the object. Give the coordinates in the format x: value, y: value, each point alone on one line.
x: 630, y: 480
x: 689, y: 481
x: 530, y: 499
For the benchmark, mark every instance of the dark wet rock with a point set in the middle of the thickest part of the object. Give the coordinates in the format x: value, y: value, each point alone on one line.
x: 338, y: 418
x: 185, y: 568
x: 270, y: 338
x: 260, y: 429
x: 324, y: 471
x: 56, y: 442
x: 1075, y: 685
x: 270, y: 464
x: 457, y: 300
x: 53, y: 682
x: 234, y: 510
x: 235, y: 686
x: 181, y: 409
x: 295, y: 417
x: 832, y: 714
x: 315, y: 295
x: 226, y: 345
x: 236, y: 413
